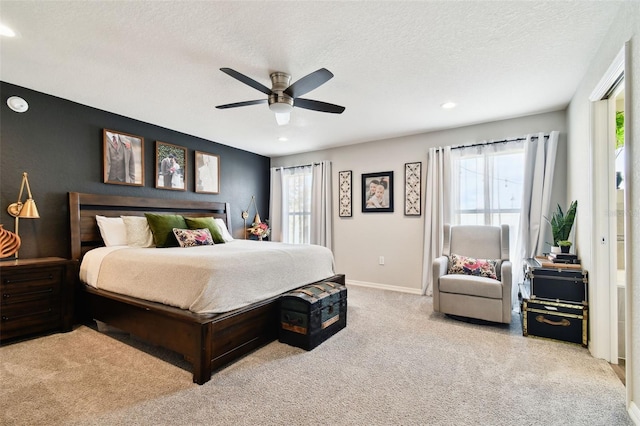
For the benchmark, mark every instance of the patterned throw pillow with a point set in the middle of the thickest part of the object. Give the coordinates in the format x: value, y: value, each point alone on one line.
x: 469, y: 266
x: 193, y: 237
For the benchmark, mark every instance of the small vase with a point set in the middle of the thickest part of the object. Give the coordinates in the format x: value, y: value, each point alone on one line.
x: 9, y: 243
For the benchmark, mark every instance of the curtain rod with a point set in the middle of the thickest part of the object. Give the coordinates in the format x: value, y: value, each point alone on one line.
x: 492, y: 142
x: 295, y: 167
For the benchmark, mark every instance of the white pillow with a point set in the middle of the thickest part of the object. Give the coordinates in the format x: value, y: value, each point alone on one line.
x: 138, y: 231
x: 226, y: 236
x: 112, y: 230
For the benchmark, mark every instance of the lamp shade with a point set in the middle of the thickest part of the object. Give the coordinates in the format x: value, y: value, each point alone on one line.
x: 29, y: 210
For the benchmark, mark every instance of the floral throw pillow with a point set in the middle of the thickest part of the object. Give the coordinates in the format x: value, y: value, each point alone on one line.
x: 470, y: 266
x: 193, y: 237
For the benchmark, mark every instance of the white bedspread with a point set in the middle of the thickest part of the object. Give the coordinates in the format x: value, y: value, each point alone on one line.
x: 207, y: 279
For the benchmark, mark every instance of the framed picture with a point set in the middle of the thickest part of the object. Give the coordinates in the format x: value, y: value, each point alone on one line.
x: 344, y: 182
x: 171, y: 166
x: 207, y: 173
x: 377, y: 192
x: 413, y: 189
x: 123, y: 159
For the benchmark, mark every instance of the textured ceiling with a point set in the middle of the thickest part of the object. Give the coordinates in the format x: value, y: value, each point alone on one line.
x: 394, y: 62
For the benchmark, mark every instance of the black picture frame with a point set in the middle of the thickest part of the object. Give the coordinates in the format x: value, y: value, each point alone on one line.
x: 380, y: 182
x: 122, y: 158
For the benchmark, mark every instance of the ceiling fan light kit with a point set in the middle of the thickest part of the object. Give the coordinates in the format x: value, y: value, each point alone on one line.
x: 283, y: 118
x: 283, y: 96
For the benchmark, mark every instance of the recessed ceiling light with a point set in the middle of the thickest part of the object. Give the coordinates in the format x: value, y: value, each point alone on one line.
x: 283, y: 139
x: 17, y: 104
x: 6, y: 31
x: 448, y: 105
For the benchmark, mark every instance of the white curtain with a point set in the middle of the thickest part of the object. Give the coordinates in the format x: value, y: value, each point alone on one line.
x: 321, y: 222
x: 276, y: 205
x: 540, y: 160
x: 300, y: 209
x: 437, y: 209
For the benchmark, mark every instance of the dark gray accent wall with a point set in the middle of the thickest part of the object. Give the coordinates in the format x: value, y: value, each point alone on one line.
x: 59, y: 144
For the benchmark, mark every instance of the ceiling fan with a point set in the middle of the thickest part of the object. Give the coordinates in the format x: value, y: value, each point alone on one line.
x: 283, y: 96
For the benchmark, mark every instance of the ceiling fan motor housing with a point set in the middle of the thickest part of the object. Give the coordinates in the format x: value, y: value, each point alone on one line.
x: 280, y: 102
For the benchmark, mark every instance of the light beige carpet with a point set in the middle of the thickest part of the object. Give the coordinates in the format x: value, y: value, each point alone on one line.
x: 397, y: 362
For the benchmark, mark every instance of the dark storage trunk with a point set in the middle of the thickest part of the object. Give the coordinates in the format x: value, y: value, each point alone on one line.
x: 559, y: 285
x: 560, y: 321
x: 312, y: 314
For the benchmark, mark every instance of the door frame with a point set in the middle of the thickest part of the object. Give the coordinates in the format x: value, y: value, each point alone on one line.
x: 605, y: 316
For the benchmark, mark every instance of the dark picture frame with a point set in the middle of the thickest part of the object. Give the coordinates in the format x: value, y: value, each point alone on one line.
x: 345, y: 190
x: 207, y: 173
x: 377, y: 192
x: 413, y: 189
x: 171, y: 167
x: 122, y: 158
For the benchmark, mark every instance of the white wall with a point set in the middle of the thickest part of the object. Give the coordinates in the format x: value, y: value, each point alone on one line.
x: 360, y: 240
x: 626, y: 26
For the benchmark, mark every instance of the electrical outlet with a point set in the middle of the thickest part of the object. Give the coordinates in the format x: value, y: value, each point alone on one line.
x: 381, y: 260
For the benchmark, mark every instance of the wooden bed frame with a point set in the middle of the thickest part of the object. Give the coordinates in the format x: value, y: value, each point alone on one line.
x: 207, y: 341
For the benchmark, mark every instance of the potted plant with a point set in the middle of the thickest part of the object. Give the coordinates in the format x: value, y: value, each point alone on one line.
x: 565, y: 245
x: 561, y: 224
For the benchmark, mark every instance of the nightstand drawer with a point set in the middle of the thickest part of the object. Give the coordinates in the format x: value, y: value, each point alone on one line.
x: 43, y: 283
x: 31, y: 317
x: 36, y: 297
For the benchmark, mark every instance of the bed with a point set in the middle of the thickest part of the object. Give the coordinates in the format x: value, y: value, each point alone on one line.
x: 206, y: 340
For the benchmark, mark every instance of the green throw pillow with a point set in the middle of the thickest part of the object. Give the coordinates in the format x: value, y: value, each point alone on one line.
x: 162, y: 228
x: 206, y: 222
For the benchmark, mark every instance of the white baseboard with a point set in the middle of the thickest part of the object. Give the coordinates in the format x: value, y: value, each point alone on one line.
x: 634, y: 413
x: 384, y: 287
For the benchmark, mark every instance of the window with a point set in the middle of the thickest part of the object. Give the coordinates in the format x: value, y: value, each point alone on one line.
x: 301, y: 204
x: 297, y: 205
x: 489, y: 180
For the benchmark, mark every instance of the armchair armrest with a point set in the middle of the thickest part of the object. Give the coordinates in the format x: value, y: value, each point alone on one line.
x: 507, y: 282
x: 439, y: 268
x: 505, y: 271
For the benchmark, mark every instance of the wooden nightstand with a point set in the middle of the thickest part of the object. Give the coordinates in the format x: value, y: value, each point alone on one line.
x: 37, y: 296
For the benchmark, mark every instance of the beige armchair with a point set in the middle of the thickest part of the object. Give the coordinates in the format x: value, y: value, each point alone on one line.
x: 474, y: 296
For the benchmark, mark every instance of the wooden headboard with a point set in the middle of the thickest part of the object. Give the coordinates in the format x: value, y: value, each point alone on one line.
x: 83, y: 209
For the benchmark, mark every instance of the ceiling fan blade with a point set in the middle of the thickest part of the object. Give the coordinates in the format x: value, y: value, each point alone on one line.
x: 240, y: 104
x: 246, y: 80
x: 283, y: 118
x: 309, y: 82
x: 318, y: 106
